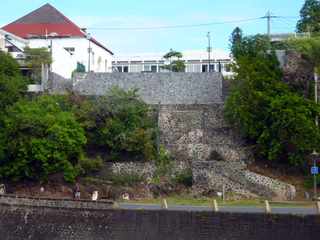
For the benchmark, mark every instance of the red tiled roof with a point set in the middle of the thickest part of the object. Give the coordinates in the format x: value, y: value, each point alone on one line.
x: 47, y: 21
x: 43, y: 29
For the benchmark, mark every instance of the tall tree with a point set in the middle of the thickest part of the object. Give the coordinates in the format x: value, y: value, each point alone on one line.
x: 235, y: 41
x: 310, y: 17
x: 176, y: 64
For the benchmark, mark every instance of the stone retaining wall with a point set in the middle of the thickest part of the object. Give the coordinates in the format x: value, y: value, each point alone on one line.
x: 199, y: 132
x: 166, y: 88
x: 236, y: 179
x: 20, y: 223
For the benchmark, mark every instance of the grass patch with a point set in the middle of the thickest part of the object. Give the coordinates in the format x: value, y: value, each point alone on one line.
x: 205, y: 202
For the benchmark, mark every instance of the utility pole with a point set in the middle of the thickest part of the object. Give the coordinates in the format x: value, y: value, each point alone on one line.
x: 269, y: 17
x: 315, y: 154
x: 89, y: 51
x: 209, y: 51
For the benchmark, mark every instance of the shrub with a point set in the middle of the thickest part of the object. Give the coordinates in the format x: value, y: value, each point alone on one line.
x: 87, y: 165
x: 163, y: 163
x: 120, y: 122
x: 126, y: 179
x: 184, y: 178
x: 12, y: 84
x: 41, y: 139
x: 277, y: 120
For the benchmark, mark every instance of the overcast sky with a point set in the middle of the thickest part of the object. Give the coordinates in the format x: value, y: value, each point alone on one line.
x: 106, y: 14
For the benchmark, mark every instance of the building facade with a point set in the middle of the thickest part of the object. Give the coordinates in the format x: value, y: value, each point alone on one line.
x: 69, y: 45
x: 195, y: 61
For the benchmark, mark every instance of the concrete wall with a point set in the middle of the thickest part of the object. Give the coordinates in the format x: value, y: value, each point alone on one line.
x: 167, y: 88
x: 53, y: 224
x: 64, y: 63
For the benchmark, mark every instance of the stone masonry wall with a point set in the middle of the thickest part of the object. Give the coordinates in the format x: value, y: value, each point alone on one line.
x: 20, y: 223
x: 166, y: 88
x: 192, y: 128
x: 199, y: 136
x: 197, y: 132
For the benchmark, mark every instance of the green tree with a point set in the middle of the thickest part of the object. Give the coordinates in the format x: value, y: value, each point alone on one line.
x: 309, y: 48
x: 35, y: 58
x: 12, y: 84
x: 41, y: 138
x: 236, y: 41
x: 309, y: 17
x: 278, y: 121
x: 176, y: 64
x: 119, y: 122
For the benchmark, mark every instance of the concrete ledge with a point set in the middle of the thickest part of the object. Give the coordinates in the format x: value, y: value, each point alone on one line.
x: 10, y: 200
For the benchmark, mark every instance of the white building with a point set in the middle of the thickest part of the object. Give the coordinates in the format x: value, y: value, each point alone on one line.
x: 195, y: 61
x: 12, y: 44
x: 68, y: 44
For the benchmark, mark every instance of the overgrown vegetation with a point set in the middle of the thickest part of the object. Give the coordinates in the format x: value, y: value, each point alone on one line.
x: 12, y: 84
x: 267, y: 112
x: 119, y: 122
x: 41, y: 138
x: 48, y: 134
x: 35, y: 58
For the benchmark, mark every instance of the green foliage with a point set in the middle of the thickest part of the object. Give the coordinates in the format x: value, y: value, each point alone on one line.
x: 12, y: 84
x: 309, y: 48
x: 309, y: 17
x: 119, y: 122
x: 308, y: 183
x: 35, y: 58
x: 235, y: 42
x: 88, y: 165
x: 184, y: 178
x: 41, y: 139
x: 176, y: 65
x: 163, y: 163
x: 172, y: 54
x: 280, y: 122
x: 129, y: 180
x: 252, y: 46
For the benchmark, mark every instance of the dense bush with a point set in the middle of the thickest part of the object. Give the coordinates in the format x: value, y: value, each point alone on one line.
x: 279, y: 121
x: 184, y: 178
x: 12, y: 84
x: 119, y: 122
x: 40, y: 139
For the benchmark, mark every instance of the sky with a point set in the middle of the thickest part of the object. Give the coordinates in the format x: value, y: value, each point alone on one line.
x: 105, y: 20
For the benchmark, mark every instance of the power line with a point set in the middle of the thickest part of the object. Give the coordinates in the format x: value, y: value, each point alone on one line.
x: 175, y: 26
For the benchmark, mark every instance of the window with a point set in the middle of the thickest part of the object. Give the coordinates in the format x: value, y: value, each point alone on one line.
x: 212, y: 69
x: 205, y: 68
x: 147, y: 68
x: 70, y: 50
x: 125, y: 69
x: 154, y: 68
x: 93, y: 58
x: 119, y: 69
x: 228, y: 68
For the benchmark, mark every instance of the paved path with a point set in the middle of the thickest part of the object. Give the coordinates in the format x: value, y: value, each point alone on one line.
x: 278, y: 210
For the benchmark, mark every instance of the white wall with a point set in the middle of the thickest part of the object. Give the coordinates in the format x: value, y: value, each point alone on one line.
x: 64, y: 63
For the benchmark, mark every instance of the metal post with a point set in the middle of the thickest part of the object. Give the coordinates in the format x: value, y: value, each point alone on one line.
x: 267, y: 206
x: 209, y: 50
x: 89, y: 58
x: 89, y: 52
x: 269, y: 23
x: 223, y: 193
x: 315, y: 194
x: 158, y: 129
